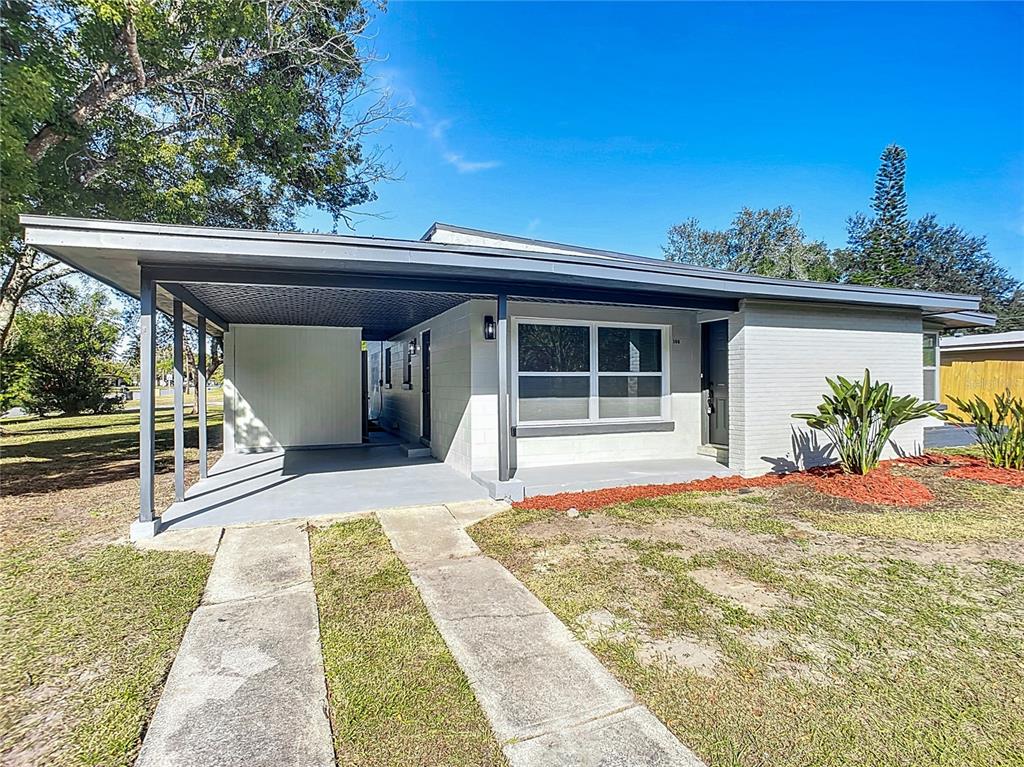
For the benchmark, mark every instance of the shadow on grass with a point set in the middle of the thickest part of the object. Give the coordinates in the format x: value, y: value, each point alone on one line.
x: 45, y: 465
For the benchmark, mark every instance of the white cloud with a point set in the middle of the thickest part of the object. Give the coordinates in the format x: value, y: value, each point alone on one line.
x: 462, y: 165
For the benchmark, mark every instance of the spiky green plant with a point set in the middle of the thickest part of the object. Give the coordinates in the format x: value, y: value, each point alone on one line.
x: 999, y: 426
x: 859, y: 417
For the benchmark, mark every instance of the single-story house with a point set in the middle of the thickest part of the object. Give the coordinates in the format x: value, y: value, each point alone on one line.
x: 983, y: 364
x: 500, y: 354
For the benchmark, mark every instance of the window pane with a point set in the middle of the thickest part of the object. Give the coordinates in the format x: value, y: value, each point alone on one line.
x: 929, y: 350
x: 554, y: 398
x: 554, y: 349
x: 629, y: 350
x: 629, y: 396
x: 929, y: 385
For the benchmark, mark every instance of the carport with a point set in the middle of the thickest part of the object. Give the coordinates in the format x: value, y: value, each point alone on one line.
x: 214, y: 278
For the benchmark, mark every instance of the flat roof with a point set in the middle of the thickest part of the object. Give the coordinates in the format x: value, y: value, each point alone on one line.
x: 1010, y: 340
x: 113, y: 251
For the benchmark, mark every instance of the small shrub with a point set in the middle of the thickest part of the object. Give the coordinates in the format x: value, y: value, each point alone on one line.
x: 859, y: 417
x: 1000, y: 427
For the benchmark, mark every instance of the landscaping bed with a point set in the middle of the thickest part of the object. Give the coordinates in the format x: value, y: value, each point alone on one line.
x: 396, y: 695
x: 90, y: 624
x: 785, y: 626
x: 880, y: 486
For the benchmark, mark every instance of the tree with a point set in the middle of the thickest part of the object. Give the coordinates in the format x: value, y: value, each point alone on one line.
x: 61, y: 357
x: 891, y: 250
x: 769, y: 242
x: 180, y: 111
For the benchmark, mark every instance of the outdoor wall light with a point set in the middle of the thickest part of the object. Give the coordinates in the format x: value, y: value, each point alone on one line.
x: 489, y: 328
x: 412, y: 348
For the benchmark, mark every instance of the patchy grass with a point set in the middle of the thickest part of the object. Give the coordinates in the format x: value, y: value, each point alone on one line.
x: 397, y: 696
x: 90, y: 626
x: 785, y: 627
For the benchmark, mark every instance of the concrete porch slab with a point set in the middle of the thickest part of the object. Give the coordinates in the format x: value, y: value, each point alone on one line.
x: 576, y: 477
x: 298, y: 484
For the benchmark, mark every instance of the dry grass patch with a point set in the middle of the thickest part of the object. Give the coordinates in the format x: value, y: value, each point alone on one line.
x: 884, y: 637
x: 397, y: 696
x: 90, y: 625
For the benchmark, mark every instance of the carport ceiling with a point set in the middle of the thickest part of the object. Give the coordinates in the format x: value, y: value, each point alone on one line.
x: 380, y: 313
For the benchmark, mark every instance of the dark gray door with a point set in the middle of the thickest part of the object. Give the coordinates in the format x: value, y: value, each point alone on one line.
x: 425, y: 385
x: 715, y: 375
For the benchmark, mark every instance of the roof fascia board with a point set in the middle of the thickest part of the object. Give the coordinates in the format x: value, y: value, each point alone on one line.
x: 176, y: 273
x: 46, y: 232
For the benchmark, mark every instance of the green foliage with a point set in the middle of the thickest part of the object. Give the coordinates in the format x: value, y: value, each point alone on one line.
x: 1000, y: 427
x: 61, y: 360
x: 860, y: 417
x: 890, y: 250
x: 181, y: 111
x: 767, y: 241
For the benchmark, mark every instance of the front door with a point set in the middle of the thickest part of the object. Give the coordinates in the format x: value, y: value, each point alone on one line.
x: 715, y: 381
x: 425, y: 385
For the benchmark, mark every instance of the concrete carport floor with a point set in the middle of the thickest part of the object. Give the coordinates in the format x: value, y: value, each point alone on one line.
x: 247, y: 488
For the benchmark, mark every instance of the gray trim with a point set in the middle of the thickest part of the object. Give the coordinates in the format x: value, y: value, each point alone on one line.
x: 201, y: 396
x: 963, y: 319
x: 470, y: 286
x: 179, y: 401
x: 70, y: 239
x: 202, y: 310
x: 501, y: 336
x: 579, y: 429
x: 147, y: 402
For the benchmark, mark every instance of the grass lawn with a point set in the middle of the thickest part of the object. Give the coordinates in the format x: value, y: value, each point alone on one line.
x: 397, y: 696
x: 88, y: 625
x: 785, y: 627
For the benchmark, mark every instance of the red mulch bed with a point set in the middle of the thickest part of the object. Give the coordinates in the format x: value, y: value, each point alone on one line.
x: 878, y: 487
x: 990, y: 474
x: 969, y: 467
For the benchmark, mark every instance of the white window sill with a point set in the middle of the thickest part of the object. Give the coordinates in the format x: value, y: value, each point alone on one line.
x: 579, y: 429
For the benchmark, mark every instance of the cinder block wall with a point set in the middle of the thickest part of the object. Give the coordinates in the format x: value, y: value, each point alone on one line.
x: 684, y: 380
x: 779, y: 357
x: 449, y: 387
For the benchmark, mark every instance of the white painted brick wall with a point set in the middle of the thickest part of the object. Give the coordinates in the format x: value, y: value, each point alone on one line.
x: 684, y: 380
x: 449, y: 387
x: 779, y: 357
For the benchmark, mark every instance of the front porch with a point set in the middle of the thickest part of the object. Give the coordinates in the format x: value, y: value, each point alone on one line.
x: 252, y: 488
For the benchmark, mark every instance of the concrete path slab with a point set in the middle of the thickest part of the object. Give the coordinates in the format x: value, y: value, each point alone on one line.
x: 549, y: 701
x: 247, y: 686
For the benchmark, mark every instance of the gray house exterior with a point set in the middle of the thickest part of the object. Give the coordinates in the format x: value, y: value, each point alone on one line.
x: 503, y: 355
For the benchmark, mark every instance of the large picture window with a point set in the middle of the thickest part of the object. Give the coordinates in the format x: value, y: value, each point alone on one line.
x: 588, y: 371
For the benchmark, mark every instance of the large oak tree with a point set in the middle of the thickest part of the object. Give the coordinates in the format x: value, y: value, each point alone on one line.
x: 218, y: 112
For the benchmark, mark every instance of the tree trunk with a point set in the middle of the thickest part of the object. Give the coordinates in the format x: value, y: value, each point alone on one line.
x: 16, y: 282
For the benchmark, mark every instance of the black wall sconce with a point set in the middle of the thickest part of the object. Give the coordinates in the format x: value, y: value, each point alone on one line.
x: 489, y: 328
x: 412, y: 347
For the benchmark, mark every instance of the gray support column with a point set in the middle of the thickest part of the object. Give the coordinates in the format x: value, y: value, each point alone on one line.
x: 179, y: 404
x: 147, y: 525
x: 501, y: 336
x: 201, y: 394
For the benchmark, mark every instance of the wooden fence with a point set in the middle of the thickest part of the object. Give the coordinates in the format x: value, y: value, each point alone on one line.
x: 965, y: 378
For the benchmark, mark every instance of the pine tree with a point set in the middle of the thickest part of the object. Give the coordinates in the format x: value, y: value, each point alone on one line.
x: 881, y: 245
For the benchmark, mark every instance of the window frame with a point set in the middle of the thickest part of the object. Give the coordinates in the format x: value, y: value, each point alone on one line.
x: 407, y: 368
x: 594, y: 375
x: 933, y: 368
x: 387, y: 367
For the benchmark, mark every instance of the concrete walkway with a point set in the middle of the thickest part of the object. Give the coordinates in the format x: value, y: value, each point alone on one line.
x: 547, y: 698
x: 247, y: 686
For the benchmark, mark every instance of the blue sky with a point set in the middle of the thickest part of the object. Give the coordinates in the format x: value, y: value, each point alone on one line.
x: 604, y: 124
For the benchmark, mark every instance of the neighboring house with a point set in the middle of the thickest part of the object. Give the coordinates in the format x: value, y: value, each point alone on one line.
x: 983, y: 365
x: 502, y: 352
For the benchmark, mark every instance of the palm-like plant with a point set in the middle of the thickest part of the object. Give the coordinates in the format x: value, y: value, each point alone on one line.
x: 859, y: 417
x: 1000, y: 427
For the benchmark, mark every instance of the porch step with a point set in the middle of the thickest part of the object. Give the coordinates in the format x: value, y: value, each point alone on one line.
x: 719, y: 452
x: 413, y: 450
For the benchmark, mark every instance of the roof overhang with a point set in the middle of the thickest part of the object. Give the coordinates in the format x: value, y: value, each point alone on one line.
x: 115, y: 251
x: 963, y: 319
x: 983, y: 342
